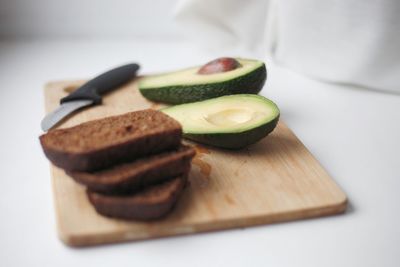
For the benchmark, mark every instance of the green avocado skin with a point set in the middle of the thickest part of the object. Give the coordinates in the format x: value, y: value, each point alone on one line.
x: 250, y: 83
x: 235, y: 140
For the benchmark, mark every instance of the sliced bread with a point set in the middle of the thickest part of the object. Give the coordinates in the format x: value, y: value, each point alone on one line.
x: 99, y: 144
x: 152, y: 203
x: 130, y: 177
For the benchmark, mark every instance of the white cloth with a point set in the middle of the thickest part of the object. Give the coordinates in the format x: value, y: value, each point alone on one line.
x: 343, y: 41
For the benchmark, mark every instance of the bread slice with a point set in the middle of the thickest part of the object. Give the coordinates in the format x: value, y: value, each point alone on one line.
x: 102, y: 143
x: 129, y: 177
x: 152, y: 203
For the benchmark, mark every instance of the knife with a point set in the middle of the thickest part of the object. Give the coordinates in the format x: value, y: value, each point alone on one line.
x: 90, y: 93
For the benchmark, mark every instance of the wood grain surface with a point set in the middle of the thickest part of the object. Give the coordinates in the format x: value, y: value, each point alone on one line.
x: 272, y: 181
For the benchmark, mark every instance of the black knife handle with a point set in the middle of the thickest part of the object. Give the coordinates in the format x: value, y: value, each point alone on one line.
x: 93, y: 89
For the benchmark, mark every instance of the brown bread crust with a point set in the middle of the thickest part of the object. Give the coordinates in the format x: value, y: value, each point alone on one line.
x: 130, y: 177
x: 153, y: 203
x: 99, y: 144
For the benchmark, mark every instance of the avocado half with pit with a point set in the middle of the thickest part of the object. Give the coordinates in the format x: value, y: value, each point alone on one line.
x: 223, y: 76
x: 233, y: 121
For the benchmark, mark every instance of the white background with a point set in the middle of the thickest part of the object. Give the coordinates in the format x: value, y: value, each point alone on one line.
x: 94, y: 19
x: 353, y: 132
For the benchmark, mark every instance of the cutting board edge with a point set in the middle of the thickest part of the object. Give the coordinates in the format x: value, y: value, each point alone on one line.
x: 112, y: 237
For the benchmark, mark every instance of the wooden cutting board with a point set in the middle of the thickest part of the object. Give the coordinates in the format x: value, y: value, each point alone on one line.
x: 274, y: 180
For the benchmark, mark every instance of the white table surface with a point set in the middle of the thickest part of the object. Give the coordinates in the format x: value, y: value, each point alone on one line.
x: 354, y: 133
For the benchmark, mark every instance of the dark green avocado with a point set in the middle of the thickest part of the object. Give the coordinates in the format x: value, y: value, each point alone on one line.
x: 189, y: 85
x: 233, y: 121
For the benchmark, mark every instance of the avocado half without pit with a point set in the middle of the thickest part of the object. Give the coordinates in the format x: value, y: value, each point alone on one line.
x: 233, y: 121
x: 223, y: 76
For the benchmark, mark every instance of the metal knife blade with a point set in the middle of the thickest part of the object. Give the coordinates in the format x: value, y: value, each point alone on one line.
x: 90, y: 93
x: 56, y: 116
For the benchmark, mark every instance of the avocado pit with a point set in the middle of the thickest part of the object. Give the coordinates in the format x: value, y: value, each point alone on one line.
x: 222, y: 64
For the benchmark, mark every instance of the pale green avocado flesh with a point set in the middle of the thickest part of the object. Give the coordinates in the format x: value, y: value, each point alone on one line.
x: 187, y: 85
x: 233, y: 121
